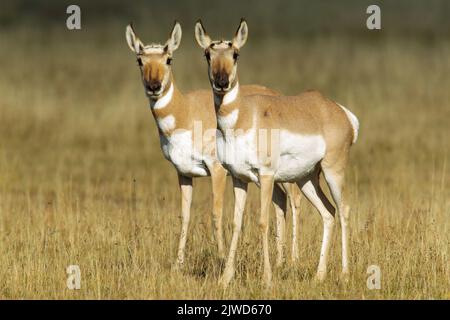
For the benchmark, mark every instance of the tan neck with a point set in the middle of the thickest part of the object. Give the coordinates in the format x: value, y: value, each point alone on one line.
x: 170, y: 104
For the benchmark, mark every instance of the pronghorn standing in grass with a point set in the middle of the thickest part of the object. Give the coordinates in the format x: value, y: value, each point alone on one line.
x: 177, y: 116
x: 309, y: 134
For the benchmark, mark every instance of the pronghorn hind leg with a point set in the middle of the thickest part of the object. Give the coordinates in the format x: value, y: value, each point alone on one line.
x: 267, y: 186
x: 240, y: 196
x: 186, y: 200
x: 279, y: 199
x: 311, y: 189
x: 335, y: 181
x: 218, y: 180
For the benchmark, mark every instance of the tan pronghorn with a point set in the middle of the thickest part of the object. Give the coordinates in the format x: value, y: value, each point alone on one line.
x: 309, y: 134
x: 177, y: 117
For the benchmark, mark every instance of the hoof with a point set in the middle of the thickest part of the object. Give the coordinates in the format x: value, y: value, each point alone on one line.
x: 345, y: 276
x: 225, y: 279
x: 177, y: 266
x: 267, y: 280
x: 221, y: 253
x: 320, y: 276
x: 221, y: 256
x: 279, y: 263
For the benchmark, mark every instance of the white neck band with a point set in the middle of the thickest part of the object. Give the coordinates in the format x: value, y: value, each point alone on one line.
x: 164, y: 100
x: 228, y: 97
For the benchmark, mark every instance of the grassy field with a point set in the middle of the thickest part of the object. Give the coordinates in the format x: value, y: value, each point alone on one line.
x: 83, y: 180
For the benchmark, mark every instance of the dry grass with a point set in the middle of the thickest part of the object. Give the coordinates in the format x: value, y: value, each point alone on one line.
x: 83, y: 181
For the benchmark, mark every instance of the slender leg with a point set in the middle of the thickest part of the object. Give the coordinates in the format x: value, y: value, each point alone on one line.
x: 240, y: 196
x: 335, y: 182
x: 267, y: 187
x: 218, y: 178
x: 279, y: 199
x: 186, y: 200
x: 294, y: 200
x: 311, y: 189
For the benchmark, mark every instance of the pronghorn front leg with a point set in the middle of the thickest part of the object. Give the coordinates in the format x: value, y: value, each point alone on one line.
x: 186, y: 200
x: 218, y: 179
x: 267, y: 185
x: 240, y: 196
x: 294, y: 200
x: 311, y: 189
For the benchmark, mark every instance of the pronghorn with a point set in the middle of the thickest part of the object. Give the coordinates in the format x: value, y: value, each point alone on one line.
x: 313, y: 134
x: 176, y: 116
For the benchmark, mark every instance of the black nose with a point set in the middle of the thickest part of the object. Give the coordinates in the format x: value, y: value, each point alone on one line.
x: 154, y: 86
x: 221, y: 81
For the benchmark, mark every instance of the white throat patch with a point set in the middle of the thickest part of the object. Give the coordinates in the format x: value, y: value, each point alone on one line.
x: 229, y: 97
x: 166, y: 124
x: 164, y: 100
x: 228, y: 121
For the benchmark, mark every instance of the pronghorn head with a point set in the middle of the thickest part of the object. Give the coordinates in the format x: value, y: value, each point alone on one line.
x: 155, y: 60
x: 222, y: 56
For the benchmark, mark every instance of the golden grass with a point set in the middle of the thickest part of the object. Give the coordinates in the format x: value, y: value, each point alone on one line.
x: 83, y: 181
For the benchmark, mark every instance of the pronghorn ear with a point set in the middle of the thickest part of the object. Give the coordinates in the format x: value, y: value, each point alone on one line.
x: 202, y: 38
x: 241, y: 35
x: 133, y: 42
x: 175, y: 38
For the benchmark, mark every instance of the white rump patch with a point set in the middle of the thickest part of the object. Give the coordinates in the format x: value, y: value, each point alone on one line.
x: 164, y: 100
x: 353, y: 121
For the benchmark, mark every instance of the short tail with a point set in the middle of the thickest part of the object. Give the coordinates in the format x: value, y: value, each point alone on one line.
x: 353, y: 121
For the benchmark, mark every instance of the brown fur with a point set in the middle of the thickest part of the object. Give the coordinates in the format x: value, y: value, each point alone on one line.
x: 153, y: 71
x: 308, y: 113
x: 198, y: 105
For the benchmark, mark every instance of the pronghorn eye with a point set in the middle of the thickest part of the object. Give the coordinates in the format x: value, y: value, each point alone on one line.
x: 169, y: 61
x: 235, y: 55
x: 208, y: 57
x: 139, y: 61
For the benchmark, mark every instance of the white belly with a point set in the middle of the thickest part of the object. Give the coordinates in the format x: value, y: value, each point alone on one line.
x: 180, y: 150
x: 297, y: 156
